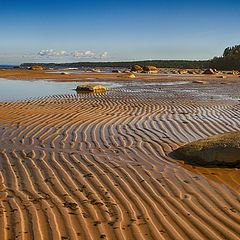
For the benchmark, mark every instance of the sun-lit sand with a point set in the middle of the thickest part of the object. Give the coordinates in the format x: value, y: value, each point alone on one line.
x: 97, y: 166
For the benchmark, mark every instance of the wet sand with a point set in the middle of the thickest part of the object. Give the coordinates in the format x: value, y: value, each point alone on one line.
x: 22, y: 74
x: 96, y: 166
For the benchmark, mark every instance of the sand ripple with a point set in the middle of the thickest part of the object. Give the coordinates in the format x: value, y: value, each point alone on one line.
x: 97, y: 167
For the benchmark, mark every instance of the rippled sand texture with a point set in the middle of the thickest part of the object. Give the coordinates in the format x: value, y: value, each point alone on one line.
x: 97, y: 166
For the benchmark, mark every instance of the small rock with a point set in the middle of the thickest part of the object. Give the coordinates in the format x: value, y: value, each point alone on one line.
x: 91, y: 88
x: 199, y: 82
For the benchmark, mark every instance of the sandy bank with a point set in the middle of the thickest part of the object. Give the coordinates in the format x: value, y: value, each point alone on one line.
x: 39, y: 75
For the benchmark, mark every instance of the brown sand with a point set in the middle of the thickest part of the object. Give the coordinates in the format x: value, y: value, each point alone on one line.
x: 97, y: 166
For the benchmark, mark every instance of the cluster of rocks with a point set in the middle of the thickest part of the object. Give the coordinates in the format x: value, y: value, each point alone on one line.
x: 215, y: 71
x: 144, y: 69
x: 152, y: 69
x: 209, y: 71
x: 138, y: 69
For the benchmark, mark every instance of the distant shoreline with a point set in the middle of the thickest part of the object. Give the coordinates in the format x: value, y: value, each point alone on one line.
x: 158, y: 63
x: 9, y: 66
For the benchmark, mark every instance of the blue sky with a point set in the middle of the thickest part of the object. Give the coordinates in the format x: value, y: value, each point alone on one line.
x: 67, y: 31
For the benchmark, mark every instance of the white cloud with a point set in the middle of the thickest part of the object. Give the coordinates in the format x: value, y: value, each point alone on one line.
x: 88, y: 54
x: 103, y: 55
x: 79, y: 54
x: 52, y: 53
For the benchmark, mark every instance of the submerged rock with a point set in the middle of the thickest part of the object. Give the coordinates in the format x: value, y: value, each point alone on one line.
x: 91, y: 88
x: 221, y: 151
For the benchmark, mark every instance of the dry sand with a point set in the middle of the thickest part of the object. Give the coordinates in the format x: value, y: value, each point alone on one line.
x: 96, y: 166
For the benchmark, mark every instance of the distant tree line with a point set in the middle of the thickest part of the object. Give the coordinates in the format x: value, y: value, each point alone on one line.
x: 230, y: 60
x: 158, y: 63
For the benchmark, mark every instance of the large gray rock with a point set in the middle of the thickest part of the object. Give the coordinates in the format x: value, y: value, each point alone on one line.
x: 221, y: 150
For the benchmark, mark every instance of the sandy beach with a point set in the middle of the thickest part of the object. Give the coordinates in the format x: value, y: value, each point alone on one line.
x: 97, y: 166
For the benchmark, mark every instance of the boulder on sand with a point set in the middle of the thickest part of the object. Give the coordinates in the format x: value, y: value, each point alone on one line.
x: 150, y: 69
x: 91, y: 88
x: 129, y: 75
x: 36, y: 68
x: 217, y: 151
x: 136, y: 68
x: 210, y: 71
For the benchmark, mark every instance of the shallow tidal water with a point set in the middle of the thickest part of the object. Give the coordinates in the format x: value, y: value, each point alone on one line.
x: 11, y: 90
